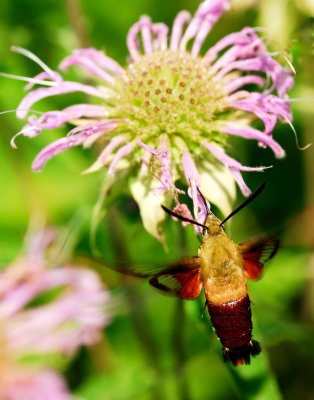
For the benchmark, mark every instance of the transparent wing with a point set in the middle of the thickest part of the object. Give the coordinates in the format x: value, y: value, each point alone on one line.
x: 256, y: 252
x: 182, y: 279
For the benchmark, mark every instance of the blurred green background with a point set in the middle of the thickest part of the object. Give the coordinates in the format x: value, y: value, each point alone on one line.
x: 158, y: 347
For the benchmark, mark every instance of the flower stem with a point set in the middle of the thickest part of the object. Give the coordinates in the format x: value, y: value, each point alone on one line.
x: 78, y: 22
x: 179, y: 353
x: 178, y: 334
x: 139, y: 318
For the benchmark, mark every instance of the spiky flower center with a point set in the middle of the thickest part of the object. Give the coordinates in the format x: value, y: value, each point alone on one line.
x: 169, y: 93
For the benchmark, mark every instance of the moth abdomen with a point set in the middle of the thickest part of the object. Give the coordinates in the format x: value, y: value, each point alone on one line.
x: 232, y: 322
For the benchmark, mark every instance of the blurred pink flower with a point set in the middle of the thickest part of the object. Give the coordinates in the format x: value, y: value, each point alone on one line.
x: 167, y: 116
x: 73, y: 315
x: 22, y: 384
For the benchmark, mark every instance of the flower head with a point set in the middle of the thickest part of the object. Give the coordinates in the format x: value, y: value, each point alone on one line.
x: 45, y: 310
x: 164, y: 121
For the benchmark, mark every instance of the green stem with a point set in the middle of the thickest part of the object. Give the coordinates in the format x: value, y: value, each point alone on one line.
x: 179, y: 353
x: 78, y: 22
x: 178, y: 334
x: 139, y: 318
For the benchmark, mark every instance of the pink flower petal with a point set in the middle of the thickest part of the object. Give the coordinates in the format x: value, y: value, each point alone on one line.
x: 181, y: 19
x: 60, y: 325
x: 100, y: 59
x: 205, y: 17
x: 107, y: 151
x: 148, y: 148
x: 61, y: 88
x: 235, y: 84
x: 163, y: 156
x: 89, y: 65
x: 146, y: 30
x: 240, y: 181
x: 54, y: 119
x: 35, y: 385
x: 267, y: 108
x: 121, y: 153
x: 193, y: 181
x: 251, y: 133
x: 56, y: 77
x: 246, y: 38
x: 282, y: 81
x: 68, y: 142
x: 229, y: 161
x: 239, y: 52
x: 144, y: 26
x: 161, y: 40
x: 183, y: 210
x: 190, y: 170
x: 234, y: 166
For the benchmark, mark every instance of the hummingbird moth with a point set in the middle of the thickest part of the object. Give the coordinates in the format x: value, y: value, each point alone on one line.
x: 221, y: 269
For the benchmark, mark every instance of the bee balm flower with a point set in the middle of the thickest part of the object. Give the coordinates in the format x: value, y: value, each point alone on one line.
x: 166, y: 118
x: 33, y: 328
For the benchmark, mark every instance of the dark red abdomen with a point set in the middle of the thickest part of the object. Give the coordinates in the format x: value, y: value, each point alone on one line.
x: 232, y: 322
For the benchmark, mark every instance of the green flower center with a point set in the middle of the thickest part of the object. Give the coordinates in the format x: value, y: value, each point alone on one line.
x: 169, y: 93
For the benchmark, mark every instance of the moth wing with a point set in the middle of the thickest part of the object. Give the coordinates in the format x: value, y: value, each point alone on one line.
x: 138, y: 271
x: 256, y: 252
x: 182, y: 279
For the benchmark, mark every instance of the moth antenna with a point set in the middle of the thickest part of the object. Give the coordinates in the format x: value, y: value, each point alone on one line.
x: 191, y: 221
x: 245, y: 203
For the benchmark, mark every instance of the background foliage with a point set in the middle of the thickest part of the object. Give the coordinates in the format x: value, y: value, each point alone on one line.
x: 158, y: 347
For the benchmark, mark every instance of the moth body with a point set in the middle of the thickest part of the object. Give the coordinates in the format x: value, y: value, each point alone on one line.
x: 227, y: 300
x: 221, y: 268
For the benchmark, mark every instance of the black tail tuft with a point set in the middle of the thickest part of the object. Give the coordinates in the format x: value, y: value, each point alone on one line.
x: 241, y: 355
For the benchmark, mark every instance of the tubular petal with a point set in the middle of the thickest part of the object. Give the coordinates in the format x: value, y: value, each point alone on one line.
x: 100, y: 59
x: 251, y: 133
x: 121, y: 153
x: 242, y: 38
x: 64, y: 87
x: 193, y: 181
x: 68, y: 142
x: 146, y: 30
x: 89, y: 65
x: 181, y: 19
x: 161, y: 39
x: 107, y: 151
x: 144, y: 26
x: 242, y: 81
x: 240, y: 181
x: 229, y: 161
x: 35, y: 384
x: 234, y: 166
x: 57, y: 78
x: 205, y: 17
x: 54, y: 119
